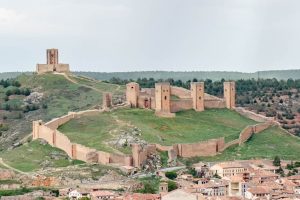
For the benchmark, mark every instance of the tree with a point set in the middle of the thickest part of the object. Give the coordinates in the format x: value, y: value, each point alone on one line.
x: 216, y: 175
x: 276, y: 161
x: 171, y: 175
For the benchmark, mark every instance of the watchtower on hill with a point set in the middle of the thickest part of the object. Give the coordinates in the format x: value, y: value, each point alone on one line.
x: 53, y: 64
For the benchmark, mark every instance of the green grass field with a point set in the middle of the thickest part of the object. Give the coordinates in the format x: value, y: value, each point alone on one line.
x: 62, y: 96
x: 267, y: 144
x: 29, y: 157
x: 187, y: 127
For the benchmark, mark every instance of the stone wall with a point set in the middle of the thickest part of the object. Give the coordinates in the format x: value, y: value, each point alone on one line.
x: 211, y: 147
x: 181, y: 104
x: 44, y: 68
x: 180, y: 92
x: 252, y: 115
x: 49, y: 132
x: 63, y: 143
x: 214, y: 103
x: 245, y: 134
x: 206, y: 148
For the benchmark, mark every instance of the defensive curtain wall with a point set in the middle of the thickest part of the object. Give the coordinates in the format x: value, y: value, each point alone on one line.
x: 166, y: 100
x: 48, y: 131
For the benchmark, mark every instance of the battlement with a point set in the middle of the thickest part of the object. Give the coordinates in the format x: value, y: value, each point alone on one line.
x: 166, y: 100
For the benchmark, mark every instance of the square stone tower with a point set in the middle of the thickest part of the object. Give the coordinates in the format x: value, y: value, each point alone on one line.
x: 162, y: 97
x: 197, y: 93
x: 52, y: 64
x: 229, y: 94
x: 52, y: 56
x: 132, y: 94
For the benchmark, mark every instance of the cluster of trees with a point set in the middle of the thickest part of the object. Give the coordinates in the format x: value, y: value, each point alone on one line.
x: 10, y: 82
x: 184, y: 76
x: 18, y: 91
x: 292, y: 167
x: 256, y: 88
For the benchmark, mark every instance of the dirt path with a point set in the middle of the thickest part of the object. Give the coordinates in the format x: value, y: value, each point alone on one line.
x: 12, y: 168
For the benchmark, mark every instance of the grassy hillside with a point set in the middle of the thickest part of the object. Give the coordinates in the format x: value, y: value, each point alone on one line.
x: 34, y: 155
x: 186, y: 127
x: 60, y: 95
x: 267, y: 144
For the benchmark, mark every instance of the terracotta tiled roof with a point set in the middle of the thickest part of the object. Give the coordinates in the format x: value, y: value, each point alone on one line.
x: 101, y: 193
x: 138, y: 196
x: 260, y: 190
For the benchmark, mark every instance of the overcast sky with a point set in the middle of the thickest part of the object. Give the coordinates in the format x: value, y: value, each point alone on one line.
x: 139, y: 35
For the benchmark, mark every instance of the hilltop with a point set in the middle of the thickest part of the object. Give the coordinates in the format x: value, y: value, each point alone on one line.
x: 106, y: 131
x: 55, y: 95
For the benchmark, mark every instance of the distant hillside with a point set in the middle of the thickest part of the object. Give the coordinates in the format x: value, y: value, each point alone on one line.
x: 6, y: 75
x: 184, y: 76
x: 214, y: 75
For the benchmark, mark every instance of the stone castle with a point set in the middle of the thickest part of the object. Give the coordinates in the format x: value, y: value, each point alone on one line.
x: 52, y: 64
x: 166, y: 100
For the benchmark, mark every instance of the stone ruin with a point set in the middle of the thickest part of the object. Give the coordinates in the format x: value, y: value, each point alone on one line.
x: 52, y: 64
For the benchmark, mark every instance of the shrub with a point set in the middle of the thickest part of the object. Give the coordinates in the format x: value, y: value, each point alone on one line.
x: 171, y: 186
x: 171, y: 175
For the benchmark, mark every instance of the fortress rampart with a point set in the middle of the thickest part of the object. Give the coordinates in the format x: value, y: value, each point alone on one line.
x: 48, y: 131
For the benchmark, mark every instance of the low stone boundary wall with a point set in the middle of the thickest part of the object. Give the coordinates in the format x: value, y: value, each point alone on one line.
x: 252, y: 115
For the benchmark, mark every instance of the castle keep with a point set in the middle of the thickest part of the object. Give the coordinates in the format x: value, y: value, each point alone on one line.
x: 166, y: 100
x: 52, y: 63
